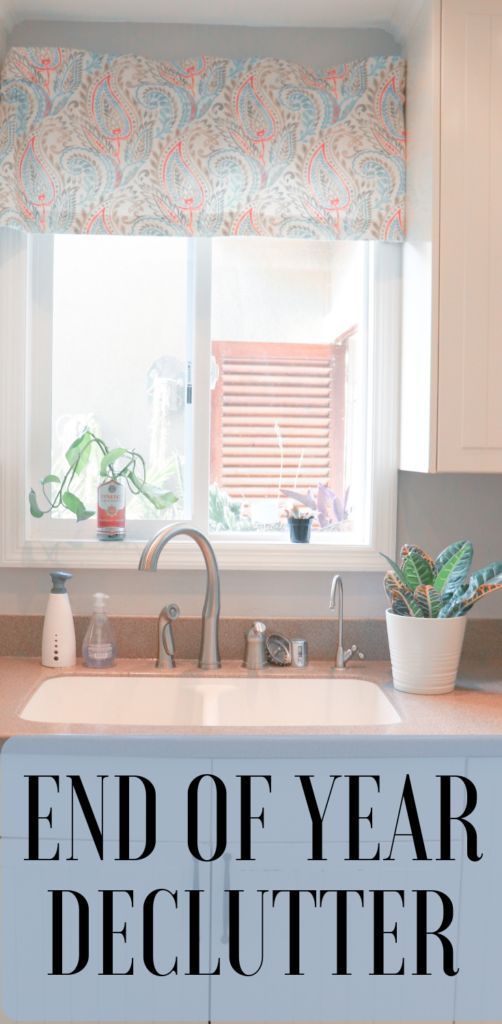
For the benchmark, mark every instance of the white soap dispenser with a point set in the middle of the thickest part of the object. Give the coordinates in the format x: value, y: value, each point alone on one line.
x: 59, y: 649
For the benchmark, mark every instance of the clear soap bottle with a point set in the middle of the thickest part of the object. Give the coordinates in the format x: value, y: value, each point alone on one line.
x: 98, y: 648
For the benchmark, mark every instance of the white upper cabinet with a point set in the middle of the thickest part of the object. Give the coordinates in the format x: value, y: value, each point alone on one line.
x: 452, y: 299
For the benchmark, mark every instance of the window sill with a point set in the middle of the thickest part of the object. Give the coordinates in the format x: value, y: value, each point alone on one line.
x: 259, y: 555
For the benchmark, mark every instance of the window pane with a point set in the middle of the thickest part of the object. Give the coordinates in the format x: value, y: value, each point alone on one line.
x: 120, y: 356
x: 289, y: 347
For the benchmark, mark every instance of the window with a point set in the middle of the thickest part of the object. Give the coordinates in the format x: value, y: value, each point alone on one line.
x: 289, y: 392
x: 253, y: 374
x: 116, y: 360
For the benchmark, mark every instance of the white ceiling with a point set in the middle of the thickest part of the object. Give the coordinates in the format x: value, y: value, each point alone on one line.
x: 394, y: 15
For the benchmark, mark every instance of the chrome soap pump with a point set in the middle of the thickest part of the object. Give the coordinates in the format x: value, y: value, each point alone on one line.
x: 255, y: 656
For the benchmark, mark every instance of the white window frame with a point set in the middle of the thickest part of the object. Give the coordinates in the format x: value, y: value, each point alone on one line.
x: 22, y: 314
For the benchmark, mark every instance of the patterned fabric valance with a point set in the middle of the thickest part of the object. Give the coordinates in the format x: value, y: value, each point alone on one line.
x: 126, y: 145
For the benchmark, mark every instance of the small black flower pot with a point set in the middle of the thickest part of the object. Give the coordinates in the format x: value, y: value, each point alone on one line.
x: 299, y: 530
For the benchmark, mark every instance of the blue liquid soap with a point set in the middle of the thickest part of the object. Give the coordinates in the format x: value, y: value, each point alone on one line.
x: 98, y: 648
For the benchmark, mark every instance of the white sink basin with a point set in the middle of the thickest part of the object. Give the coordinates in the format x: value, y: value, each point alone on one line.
x: 200, y: 701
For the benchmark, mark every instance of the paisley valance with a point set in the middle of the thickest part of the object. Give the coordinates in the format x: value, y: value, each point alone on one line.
x: 128, y: 145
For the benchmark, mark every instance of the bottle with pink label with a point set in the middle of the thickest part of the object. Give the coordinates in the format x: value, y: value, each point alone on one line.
x: 111, y: 510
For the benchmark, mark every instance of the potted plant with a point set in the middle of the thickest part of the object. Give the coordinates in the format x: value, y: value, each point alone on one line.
x: 300, y: 524
x: 118, y: 467
x: 426, y: 621
x: 330, y: 511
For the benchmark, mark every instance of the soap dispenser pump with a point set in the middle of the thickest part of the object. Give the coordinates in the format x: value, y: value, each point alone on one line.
x: 58, y: 638
x: 98, y: 648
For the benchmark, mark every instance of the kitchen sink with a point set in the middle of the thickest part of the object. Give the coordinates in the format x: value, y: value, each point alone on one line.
x: 205, y: 702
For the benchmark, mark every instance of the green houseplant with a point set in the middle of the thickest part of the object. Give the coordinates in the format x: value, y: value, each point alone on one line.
x: 118, y: 466
x: 429, y: 598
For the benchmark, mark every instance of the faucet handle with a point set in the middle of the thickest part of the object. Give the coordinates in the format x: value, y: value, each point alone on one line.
x: 351, y: 651
x: 165, y: 655
x: 255, y: 651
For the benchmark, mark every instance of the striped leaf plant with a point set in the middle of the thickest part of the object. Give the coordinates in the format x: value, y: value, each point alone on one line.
x: 440, y: 588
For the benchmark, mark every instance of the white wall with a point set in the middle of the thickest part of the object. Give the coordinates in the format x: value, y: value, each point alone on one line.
x: 284, y: 290
x: 432, y: 510
x: 122, y: 335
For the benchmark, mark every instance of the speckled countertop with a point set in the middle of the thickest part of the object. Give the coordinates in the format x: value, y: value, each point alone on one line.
x: 474, y: 708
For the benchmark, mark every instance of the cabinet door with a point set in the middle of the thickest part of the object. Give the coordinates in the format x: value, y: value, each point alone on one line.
x: 470, y: 305
x: 143, y: 997
x: 318, y: 994
x: 479, y: 1000
x: 26, y: 885
x: 282, y: 848
x: 272, y: 994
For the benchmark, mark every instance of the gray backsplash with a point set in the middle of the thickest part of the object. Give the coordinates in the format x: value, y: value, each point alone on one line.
x: 21, y: 636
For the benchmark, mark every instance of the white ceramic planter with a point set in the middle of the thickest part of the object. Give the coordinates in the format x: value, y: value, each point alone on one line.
x: 424, y: 653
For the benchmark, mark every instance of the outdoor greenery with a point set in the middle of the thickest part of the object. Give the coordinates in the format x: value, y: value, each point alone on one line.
x: 329, y: 510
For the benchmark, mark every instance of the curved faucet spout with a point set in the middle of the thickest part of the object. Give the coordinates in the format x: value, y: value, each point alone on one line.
x: 337, y: 588
x: 342, y: 656
x: 209, y: 655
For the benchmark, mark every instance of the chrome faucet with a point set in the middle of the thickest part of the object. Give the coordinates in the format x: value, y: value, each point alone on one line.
x: 209, y: 654
x: 342, y: 656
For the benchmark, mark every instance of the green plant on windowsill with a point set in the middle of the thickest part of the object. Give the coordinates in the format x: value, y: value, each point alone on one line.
x: 124, y: 464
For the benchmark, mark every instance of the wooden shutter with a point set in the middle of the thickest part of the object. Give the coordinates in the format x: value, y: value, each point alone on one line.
x: 268, y: 393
